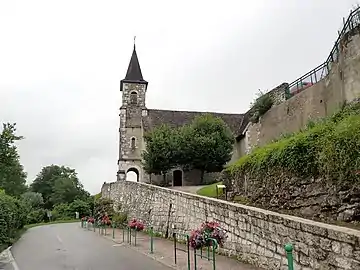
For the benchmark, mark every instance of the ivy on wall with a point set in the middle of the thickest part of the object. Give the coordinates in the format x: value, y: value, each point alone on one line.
x: 329, y: 147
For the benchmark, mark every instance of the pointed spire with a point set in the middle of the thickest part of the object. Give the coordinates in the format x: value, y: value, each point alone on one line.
x: 134, y: 71
x: 133, y: 74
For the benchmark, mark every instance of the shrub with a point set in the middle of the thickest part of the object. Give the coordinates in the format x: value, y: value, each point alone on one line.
x: 261, y: 105
x: 12, y: 218
x: 103, y: 207
x: 36, y: 216
x: 61, y: 211
x: 78, y: 206
x: 329, y: 148
x: 120, y: 219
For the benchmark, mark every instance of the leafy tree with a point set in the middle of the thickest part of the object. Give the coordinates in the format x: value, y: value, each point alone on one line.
x: 12, y: 175
x: 32, y: 200
x: 58, y: 184
x: 207, y: 144
x: 79, y: 206
x: 161, y: 150
x: 61, y: 211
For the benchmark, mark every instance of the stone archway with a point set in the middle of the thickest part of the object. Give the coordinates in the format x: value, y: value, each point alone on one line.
x: 132, y: 175
x: 177, y: 178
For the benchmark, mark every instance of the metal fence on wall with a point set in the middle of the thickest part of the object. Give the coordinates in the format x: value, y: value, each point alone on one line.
x: 323, y: 70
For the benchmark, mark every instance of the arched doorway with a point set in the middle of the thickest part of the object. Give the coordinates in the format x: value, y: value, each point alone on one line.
x: 132, y: 175
x: 177, y: 178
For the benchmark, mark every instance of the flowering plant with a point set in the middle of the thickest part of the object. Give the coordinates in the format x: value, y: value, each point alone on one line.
x: 105, y: 220
x: 91, y: 220
x: 200, y: 237
x: 136, y: 225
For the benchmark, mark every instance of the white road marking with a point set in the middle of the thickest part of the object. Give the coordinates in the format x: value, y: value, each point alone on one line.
x: 118, y: 245
x: 59, y: 239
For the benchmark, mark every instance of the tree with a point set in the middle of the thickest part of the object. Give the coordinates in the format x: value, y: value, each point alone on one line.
x: 79, y: 206
x: 207, y: 144
x: 161, y: 150
x: 32, y: 200
x: 12, y: 175
x: 58, y: 184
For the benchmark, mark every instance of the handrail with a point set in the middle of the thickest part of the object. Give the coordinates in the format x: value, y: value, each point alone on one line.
x: 321, y: 71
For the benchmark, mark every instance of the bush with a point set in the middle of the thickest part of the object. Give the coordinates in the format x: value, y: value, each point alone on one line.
x: 36, y: 216
x: 12, y: 218
x: 79, y: 206
x: 61, y: 211
x: 329, y: 148
x: 120, y: 219
x: 261, y: 105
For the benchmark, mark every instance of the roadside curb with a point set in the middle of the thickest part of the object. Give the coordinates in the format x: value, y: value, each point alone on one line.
x: 147, y: 254
x: 152, y: 256
x: 7, y: 261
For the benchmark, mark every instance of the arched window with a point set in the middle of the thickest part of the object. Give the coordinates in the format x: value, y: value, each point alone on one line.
x: 133, y: 143
x: 133, y: 98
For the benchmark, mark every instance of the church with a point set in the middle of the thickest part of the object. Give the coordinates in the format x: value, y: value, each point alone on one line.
x: 136, y: 119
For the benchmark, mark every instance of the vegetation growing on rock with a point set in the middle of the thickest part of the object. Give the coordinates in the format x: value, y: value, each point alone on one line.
x: 326, y: 153
x: 261, y: 105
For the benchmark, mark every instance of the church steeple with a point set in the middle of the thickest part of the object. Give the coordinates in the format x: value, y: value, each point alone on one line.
x: 133, y: 74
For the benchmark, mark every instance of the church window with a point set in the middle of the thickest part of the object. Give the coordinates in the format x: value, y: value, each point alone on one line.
x: 133, y: 98
x: 133, y: 143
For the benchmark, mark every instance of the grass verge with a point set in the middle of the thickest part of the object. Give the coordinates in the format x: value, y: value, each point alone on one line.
x: 209, y: 191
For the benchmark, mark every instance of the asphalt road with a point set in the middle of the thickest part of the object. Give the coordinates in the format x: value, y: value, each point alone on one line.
x: 66, y: 246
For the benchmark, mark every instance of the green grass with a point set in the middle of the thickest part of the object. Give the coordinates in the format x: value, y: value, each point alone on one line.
x: 52, y: 222
x: 210, y: 190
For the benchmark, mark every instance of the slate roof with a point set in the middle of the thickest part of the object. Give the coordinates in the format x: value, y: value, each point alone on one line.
x: 134, y: 71
x: 133, y: 74
x: 179, y: 118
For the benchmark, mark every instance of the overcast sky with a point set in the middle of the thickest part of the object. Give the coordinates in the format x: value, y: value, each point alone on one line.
x: 61, y: 63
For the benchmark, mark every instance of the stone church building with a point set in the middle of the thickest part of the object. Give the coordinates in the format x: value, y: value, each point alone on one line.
x: 136, y: 119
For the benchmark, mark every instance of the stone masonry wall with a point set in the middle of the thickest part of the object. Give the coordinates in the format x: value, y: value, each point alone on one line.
x: 256, y: 236
x: 342, y: 84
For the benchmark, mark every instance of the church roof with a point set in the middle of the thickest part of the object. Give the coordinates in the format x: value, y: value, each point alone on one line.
x: 134, y: 73
x: 179, y: 118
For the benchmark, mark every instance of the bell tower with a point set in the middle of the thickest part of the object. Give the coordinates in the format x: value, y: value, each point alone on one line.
x: 133, y: 89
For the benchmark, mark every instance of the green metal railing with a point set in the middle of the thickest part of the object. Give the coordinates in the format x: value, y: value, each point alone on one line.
x: 289, y: 255
x: 320, y: 72
x: 186, y: 238
x: 211, y: 249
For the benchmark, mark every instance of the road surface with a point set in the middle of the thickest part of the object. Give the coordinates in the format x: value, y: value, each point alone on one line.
x: 68, y: 247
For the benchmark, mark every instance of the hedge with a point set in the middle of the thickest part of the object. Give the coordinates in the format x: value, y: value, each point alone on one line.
x: 12, y: 218
x: 329, y: 147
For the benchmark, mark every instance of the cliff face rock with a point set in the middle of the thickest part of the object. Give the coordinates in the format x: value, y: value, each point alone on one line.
x: 314, y: 198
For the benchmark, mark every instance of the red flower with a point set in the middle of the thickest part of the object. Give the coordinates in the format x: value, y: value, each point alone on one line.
x: 136, y: 225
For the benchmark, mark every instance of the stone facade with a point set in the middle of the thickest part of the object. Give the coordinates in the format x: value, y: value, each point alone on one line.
x: 136, y: 120
x: 342, y: 84
x: 256, y: 236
